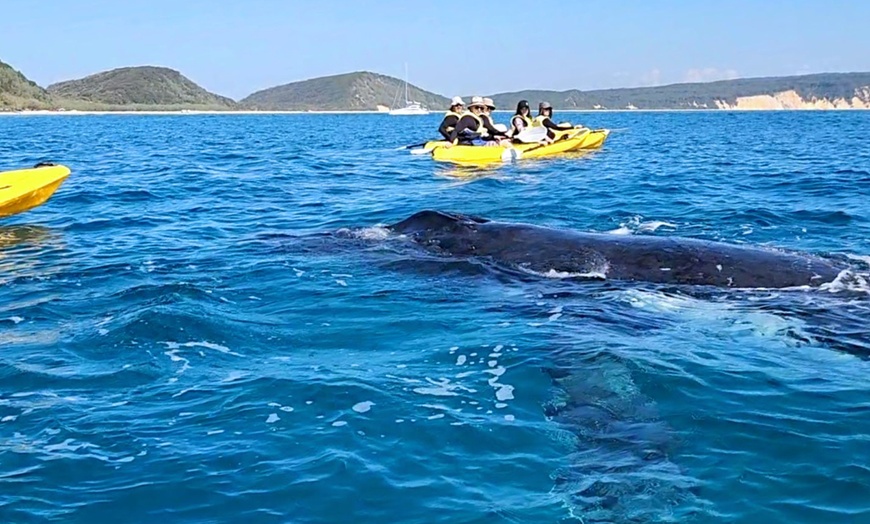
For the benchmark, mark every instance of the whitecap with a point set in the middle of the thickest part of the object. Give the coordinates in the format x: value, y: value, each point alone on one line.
x: 363, y: 407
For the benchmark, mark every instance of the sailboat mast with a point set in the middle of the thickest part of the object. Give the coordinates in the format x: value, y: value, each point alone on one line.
x: 407, y: 100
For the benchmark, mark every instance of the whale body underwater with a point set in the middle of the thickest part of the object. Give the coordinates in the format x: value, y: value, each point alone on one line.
x: 646, y: 258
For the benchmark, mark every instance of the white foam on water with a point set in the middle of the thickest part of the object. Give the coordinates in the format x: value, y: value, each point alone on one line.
x: 505, y: 392
x: 500, y: 405
x: 286, y: 409
x: 554, y: 317
x: 363, y: 407
x: 273, y: 417
x: 173, y: 356
x: 498, y: 348
x: 298, y: 272
x: 16, y: 320
x: 341, y: 283
x: 442, y: 388
x: 9, y: 418
x: 492, y: 363
x: 509, y: 418
x: 372, y: 233
x: 274, y: 405
x: 215, y: 432
x: 597, y: 273
x: 848, y: 280
x: 339, y: 423
x: 309, y: 402
x: 437, y: 416
x: 460, y: 360
x: 655, y: 225
x: 202, y: 344
x: 399, y: 420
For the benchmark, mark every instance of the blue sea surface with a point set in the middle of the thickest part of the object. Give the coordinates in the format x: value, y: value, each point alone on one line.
x: 184, y: 337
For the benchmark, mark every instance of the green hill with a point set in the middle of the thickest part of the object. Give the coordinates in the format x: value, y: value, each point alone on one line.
x: 828, y: 87
x: 137, y: 87
x: 359, y: 91
x: 17, y: 92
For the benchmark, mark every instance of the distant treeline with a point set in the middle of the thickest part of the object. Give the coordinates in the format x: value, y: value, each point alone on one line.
x: 160, y: 88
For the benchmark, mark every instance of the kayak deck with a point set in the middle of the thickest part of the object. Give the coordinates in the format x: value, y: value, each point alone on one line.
x: 25, y: 189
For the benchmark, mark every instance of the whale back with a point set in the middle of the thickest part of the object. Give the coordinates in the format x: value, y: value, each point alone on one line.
x: 431, y: 221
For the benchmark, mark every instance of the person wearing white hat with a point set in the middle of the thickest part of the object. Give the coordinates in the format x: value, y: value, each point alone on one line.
x: 488, y: 122
x: 473, y: 128
x: 451, y: 117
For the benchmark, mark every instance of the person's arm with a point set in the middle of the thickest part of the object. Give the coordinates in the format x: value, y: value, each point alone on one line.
x: 487, y: 124
x: 548, y: 123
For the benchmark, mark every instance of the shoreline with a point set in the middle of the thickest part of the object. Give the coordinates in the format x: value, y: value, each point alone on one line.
x: 195, y: 112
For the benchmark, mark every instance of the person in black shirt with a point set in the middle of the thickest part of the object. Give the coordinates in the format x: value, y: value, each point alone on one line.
x: 472, y: 127
x: 545, y: 119
x: 451, y: 118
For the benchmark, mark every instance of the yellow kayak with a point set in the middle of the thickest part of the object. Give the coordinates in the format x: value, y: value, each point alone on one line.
x: 594, y: 139
x: 492, y: 154
x: 25, y: 189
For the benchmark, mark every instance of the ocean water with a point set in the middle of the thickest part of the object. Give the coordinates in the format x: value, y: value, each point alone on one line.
x: 184, y: 338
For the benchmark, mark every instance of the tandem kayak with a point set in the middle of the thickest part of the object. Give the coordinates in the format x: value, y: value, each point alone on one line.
x: 571, y: 140
x: 24, y: 189
x: 594, y: 139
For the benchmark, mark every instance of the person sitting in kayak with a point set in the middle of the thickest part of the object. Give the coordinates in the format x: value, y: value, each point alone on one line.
x: 451, y: 117
x: 522, y: 119
x: 545, y: 119
x: 471, y: 127
x: 493, y: 134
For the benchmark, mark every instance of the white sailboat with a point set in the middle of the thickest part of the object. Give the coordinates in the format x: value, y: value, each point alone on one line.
x: 411, y: 107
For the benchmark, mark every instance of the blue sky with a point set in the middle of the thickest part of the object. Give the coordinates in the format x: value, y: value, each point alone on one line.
x: 234, y: 48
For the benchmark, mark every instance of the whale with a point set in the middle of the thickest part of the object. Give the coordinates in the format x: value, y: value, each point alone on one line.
x: 637, y: 258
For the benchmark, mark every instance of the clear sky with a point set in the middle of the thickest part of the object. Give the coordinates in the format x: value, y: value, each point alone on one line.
x: 235, y: 47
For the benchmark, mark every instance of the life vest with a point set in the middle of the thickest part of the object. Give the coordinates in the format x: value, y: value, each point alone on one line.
x: 526, y: 121
x: 539, y: 121
x: 480, y: 128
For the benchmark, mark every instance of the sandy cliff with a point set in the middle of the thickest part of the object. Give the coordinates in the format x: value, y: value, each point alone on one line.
x: 792, y: 100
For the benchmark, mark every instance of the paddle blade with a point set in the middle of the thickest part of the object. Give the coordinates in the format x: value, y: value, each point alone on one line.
x: 532, y: 135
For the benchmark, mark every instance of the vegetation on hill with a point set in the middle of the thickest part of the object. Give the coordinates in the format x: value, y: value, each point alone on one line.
x: 144, y: 86
x: 358, y: 91
x: 695, y: 95
x: 163, y: 89
x: 17, y: 92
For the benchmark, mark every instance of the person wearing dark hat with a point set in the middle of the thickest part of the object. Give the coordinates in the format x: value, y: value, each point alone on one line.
x: 522, y: 118
x: 472, y: 127
x: 451, y: 118
x: 545, y: 119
